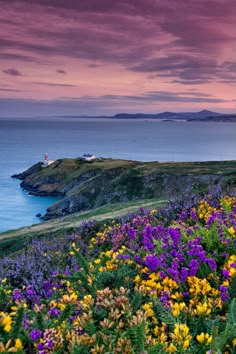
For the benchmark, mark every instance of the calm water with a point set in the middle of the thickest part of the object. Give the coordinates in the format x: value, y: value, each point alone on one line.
x: 23, y: 143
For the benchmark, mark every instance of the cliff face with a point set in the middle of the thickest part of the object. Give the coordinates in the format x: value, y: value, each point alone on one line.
x: 86, y: 185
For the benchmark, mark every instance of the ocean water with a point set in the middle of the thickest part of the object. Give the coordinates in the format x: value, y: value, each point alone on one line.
x: 23, y: 142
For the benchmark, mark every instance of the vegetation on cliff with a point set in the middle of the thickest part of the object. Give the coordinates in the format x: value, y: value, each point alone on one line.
x: 87, y: 185
x: 162, y: 281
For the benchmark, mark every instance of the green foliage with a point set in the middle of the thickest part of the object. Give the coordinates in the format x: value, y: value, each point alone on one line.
x: 162, y: 314
x: 232, y: 288
x: 16, y: 328
x: 80, y: 349
x: 137, y: 337
x: 136, y: 300
x: 114, y: 278
x: 39, y: 321
x: 156, y: 349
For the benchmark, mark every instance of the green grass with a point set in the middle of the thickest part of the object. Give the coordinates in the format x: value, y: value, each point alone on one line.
x: 14, y: 240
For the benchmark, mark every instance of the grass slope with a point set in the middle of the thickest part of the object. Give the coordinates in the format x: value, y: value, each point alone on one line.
x: 14, y: 240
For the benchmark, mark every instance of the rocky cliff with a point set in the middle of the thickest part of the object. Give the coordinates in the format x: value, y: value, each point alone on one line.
x: 86, y: 185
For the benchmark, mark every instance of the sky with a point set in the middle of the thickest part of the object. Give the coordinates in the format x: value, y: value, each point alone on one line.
x: 101, y: 57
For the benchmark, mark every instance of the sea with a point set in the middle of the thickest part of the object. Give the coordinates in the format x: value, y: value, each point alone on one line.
x: 23, y: 142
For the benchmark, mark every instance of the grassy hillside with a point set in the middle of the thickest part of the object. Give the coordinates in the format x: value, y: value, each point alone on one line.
x: 87, y: 185
x: 15, y: 240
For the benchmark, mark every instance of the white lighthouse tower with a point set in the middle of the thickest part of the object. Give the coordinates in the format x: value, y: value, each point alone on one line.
x: 45, y: 162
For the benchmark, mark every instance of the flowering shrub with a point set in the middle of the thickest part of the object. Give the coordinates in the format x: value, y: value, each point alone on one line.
x: 142, y: 286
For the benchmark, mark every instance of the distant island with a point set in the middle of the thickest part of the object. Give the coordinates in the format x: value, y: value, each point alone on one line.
x: 202, y: 116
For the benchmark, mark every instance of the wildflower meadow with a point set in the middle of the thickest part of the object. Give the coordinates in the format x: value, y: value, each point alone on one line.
x: 156, y: 282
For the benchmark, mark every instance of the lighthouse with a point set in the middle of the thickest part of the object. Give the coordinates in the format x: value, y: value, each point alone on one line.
x: 45, y: 162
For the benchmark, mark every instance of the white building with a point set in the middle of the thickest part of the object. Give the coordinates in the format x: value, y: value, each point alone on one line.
x: 46, y: 161
x: 88, y: 157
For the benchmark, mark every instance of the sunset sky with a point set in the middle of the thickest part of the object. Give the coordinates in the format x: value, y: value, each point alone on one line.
x: 110, y: 56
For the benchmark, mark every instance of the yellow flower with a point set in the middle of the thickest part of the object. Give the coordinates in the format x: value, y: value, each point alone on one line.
x: 18, y: 344
x: 148, y: 309
x: 231, y: 230
x: 201, y: 337
x: 203, y: 309
x: 5, y: 321
x: 69, y: 298
x: 91, y: 268
x: 204, y: 338
x: 171, y: 349
x: 87, y: 301
x: 176, y: 308
x: 181, y: 335
x: 7, y: 348
x: 186, y: 343
x: 97, y: 261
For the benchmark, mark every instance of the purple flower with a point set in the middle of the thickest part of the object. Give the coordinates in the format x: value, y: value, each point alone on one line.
x: 138, y: 259
x: 54, y: 312
x: 185, y: 294
x: 35, y: 334
x: 162, y: 275
x: 184, y: 215
x: 152, y: 262
x: 212, y: 264
x: 132, y: 234
x: 17, y: 295
x: 193, y: 215
x: 50, y: 343
x: 225, y: 273
x: 67, y: 271
x: 164, y: 299
x: 76, y: 267
x: 189, y: 231
x: 184, y: 274
x: 32, y: 295
x: 224, y: 294
x: 147, y: 238
x: 193, y: 265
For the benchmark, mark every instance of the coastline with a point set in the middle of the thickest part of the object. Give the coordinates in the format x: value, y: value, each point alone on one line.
x: 84, y: 185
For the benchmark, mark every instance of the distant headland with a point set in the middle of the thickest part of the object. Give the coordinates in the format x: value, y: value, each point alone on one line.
x: 201, y: 116
x: 86, y: 183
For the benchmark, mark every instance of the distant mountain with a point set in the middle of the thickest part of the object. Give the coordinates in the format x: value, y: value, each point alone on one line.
x: 168, y: 115
x: 230, y: 118
x: 203, y: 115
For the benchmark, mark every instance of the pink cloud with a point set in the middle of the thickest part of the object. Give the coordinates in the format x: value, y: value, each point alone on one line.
x: 119, y: 47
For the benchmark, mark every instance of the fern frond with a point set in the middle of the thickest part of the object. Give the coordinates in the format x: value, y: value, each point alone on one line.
x: 232, y: 288
x: 163, y: 314
x: 17, y: 323
x: 136, y: 301
x: 137, y: 336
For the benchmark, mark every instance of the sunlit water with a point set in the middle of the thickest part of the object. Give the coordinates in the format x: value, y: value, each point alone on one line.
x: 23, y: 143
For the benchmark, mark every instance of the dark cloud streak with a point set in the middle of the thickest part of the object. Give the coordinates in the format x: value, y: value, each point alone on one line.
x: 59, y: 71
x: 12, y: 72
x: 53, y: 84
